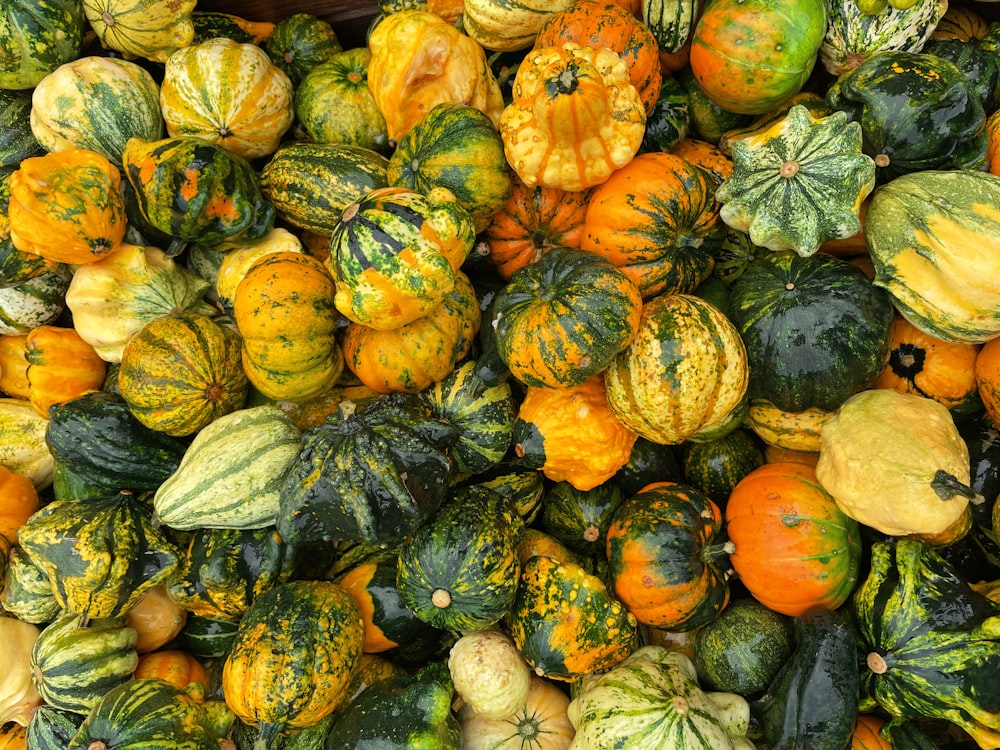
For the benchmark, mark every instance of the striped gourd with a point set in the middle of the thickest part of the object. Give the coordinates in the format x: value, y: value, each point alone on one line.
x: 653, y: 698
x: 75, y: 664
x: 36, y: 38
x: 791, y: 430
x: 483, y: 414
x: 17, y: 142
x: 310, y: 184
x: 34, y: 302
x: 230, y: 475
x: 507, y: 25
x: 671, y: 21
x: 96, y: 103
x: 22, y: 442
x: 152, y: 29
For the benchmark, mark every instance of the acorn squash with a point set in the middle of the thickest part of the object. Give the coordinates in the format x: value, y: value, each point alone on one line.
x: 36, y: 39
x: 150, y: 29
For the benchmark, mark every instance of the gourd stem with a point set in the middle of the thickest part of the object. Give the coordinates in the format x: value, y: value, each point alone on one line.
x: 947, y: 486
x: 98, y: 745
x: 266, y: 735
x: 712, y: 552
x: 876, y: 663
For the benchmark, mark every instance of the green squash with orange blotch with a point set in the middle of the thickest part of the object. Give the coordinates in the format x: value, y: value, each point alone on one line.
x: 565, y: 621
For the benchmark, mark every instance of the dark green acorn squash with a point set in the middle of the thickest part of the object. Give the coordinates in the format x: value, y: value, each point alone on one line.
x: 580, y: 518
x: 399, y: 713
x: 932, y: 643
x: 523, y: 486
x: 101, y: 554
x: 647, y: 463
x: 459, y: 571
x: 815, y: 328
x: 224, y: 570
x: 36, y: 38
x: 52, y: 729
x: 981, y: 67
x: 213, y: 24
x: 301, y: 41
x: 483, y: 415
x: 17, y: 142
x: 813, y: 700
x: 715, y: 466
x: 709, y: 121
x: 196, y: 192
x: 207, y: 637
x: 374, y: 476
x: 146, y: 713
x: 308, y: 738
x: 917, y: 112
x: 668, y: 123
x: 97, y: 437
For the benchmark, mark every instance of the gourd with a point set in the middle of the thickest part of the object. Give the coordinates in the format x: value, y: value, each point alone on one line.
x: 114, y: 297
x: 35, y: 301
x: 150, y: 29
x: 657, y: 219
x: 231, y: 473
x: 374, y: 476
x: 233, y: 265
x: 654, y: 698
x: 50, y: 728
x: 918, y: 620
x: 591, y: 108
x: 395, y: 253
x: 300, y: 42
x: 13, y: 381
x: 18, y: 695
x: 489, y: 673
x: 177, y: 667
x: 74, y: 664
x: 793, y: 547
x: 287, y: 344
x: 61, y: 367
x: 27, y: 593
x: 38, y: 39
x: 19, y: 502
x: 101, y: 555
x: 459, y: 571
x: 580, y: 518
x: 505, y: 26
x: 562, y: 319
x: 566, y: 622
x: 926, y: 251
x: 784, y: 304
x: 651, y: 394
x: 96, y: 103
x: 799, y: 431
x: 541, y: 722
x: 419, y: 60
x: 751, y: 57
x: 66, y: 207
x: 156, y: 619
x: 292, y: 659
x: 987, y: 372
x: 228, y: 93
x: 17, y: 142
x: 571, y: 434
x: 799, y: 183
x: 606, y: 25
x: 22, y: 442
x: 531, y: 222
x: 716, y: 466
x: 415, y: 355
x: 904, y: 133
x: 917, y: 484
x: 667, y: 559
x: 180, y: 372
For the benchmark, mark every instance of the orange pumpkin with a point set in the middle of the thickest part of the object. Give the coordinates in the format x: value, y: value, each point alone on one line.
x: 173, y: 665
x: 794, y: 548
x: 924, y: 365
x: 18, y: 502
x: 156, y: 618
x: 66, y: 206
x: 534, y: 220
x: 13, y: 365
x: 866, y: 734
x: 61, y: 366
x: 706, y: 155
x: 988, y: 378
x: 607, y: 25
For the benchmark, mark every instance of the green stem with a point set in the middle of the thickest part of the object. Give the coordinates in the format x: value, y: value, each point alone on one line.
x: 947, y: 486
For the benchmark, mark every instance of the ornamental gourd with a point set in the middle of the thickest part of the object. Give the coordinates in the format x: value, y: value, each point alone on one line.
x: 151, y: 29
x: 507, y: 26
x: 37, y: 39
x: 575, y: 117
x: 61, y: 367
x: 228, y: 93
x: 798, y: 183
x: 419, y: 60
x: 66, y: 207
x: 395, y: 253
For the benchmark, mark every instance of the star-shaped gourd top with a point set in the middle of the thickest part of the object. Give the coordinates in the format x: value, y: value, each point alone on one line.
x: 799, y: 183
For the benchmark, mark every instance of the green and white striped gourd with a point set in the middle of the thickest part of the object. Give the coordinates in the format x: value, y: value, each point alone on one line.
x: 230, y: 475
x: 507, y: 25
x: 671, y: 21
x: 35, y: 302
x: 75, y: 664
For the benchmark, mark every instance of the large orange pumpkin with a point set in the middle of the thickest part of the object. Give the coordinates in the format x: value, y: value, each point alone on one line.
x: 794, y: 548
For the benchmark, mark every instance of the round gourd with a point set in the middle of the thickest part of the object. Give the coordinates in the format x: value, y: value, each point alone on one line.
x: 540, y: 723
x: 18, y: 695
x: 180, y: 372
x: 156, y: 619
x: 300, y: 42
x: 562, y: 319
x: 17, y: 142
x: 667, y: 558
x: 751, y: 56
x: 987, y: 371
x: 151, y: 29
x: 652, y: 394
x: 18, y: 501
x: 36, y: 39
x: 61, y: 367
x: 793, y: 547
x: 507, y: 26
x: 916, y: 484
x: 293, y: 656
x: 35, y: 301
x: 229, y: 94
x: 233, y: 265
x: 177, y: 667
x: 96, y: 103
x: 716, y: 466
x: 815, y: 329
x: 489, y: 673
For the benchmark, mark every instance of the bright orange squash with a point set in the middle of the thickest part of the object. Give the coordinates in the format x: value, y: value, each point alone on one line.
x: 173, y: 665
x: 61, y: 366
x: 18, y: 502
x: 988, y: 378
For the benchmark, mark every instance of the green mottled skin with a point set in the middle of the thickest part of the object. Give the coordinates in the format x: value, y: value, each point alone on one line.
x: 36, y: 38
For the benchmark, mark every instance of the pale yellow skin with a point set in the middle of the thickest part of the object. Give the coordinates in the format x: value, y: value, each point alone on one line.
x: 878, y: 455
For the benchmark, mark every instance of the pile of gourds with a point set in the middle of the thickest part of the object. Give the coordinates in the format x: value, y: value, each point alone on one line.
x: 577, y: 374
